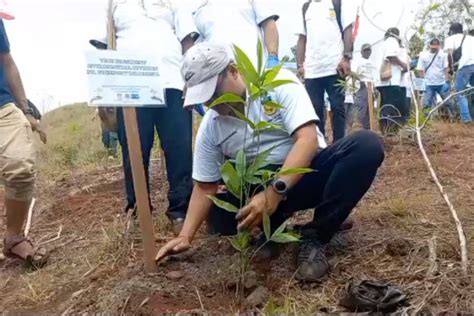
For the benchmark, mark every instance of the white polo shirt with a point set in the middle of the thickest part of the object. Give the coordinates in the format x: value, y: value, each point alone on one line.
x: 220, y: 137
x: 365, y: 68
x: 324, y: 45
x: 436, y: 74
x: 156, y: 27
x: 236, y: 22
x: 454, y: 41
x: 391, y: 48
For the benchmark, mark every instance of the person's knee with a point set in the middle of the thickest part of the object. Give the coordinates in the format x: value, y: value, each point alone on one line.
x: 19, y: 177
x: 370, y: 145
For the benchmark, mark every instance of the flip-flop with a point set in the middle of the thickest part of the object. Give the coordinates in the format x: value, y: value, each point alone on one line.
x: 36, y: 260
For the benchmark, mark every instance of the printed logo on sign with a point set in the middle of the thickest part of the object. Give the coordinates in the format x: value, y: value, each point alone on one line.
x: 119, y: 97
x: 135, y: 96
x: 332, y: 13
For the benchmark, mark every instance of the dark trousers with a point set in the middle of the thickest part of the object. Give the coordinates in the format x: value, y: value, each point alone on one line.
x: 316, y: 88
x: 343, y: 173
x: 393, y: 109
x: 174, y: 126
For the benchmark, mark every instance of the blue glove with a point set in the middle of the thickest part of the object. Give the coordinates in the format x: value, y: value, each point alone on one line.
x: 199, y: 108
x: 272, y: 60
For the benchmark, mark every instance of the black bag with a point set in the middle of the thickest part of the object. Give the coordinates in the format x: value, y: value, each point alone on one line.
x: 337, y: 8
x: 457, y: 53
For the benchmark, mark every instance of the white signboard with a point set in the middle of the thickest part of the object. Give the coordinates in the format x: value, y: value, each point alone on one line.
x: 117, y: 78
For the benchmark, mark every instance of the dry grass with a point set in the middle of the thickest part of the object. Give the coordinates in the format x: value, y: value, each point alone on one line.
x: 96, y: 263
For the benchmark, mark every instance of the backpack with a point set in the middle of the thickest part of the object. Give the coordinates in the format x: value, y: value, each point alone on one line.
x: 457, y: 53
x: 337, y: 8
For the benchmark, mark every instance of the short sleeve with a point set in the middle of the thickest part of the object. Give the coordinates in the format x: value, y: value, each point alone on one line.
x: 183, y: 19
x: 450, y: 43
x: 4, y: 43
x: 207, y: 155
x: 421, y: 63
x: 301, y: 25
x: 264, y: 10
x: 297, y: 107
x: 392, y: 48
x: 348, y: 13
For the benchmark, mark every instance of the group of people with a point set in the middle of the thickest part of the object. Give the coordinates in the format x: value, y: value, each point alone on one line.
x: 194, y: 46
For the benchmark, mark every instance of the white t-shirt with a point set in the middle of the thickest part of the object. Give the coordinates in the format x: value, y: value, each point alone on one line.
x: 436, y: 74
x: 156, y: 27
x: 391, y: 48
x: 365, y: 68
x: 221, y: 137
x: 324, y: 45
x: 405, y: 57
x: 232, y: 22
x: 454, y: 42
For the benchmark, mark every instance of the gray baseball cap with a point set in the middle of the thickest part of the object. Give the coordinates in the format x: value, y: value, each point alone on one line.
x: 366, y: 47
x: 202, y: 65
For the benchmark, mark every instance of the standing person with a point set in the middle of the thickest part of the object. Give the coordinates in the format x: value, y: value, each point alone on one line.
x: 433, y: 66
x: 240, y: 22
x: 393, y: 98
x: 17, y: 157
x: 166, y: 29
x: 405, y: 83
x: 461, y: 44
x: 109, y: 133
x: 367, y: 72
x: 323, y: 54
x: 345, y: 170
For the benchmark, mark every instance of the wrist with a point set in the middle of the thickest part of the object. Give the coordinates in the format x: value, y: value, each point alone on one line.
x: 187, y: 237
x: 273, y: 199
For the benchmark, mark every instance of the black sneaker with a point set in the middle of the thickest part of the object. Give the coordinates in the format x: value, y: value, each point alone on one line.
x: 270, y: 251
x: 313, y: 265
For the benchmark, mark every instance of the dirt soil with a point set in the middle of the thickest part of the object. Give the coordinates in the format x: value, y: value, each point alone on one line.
x: 96, y: 255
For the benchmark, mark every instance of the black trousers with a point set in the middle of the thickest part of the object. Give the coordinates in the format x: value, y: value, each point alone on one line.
x: 316, y: 88
x: 343, y: 173
x: 174, y: 126
x: 393, y: 108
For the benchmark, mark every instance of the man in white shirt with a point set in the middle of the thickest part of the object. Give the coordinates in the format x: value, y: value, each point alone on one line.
x: 324, y: 51
x: 433, y: 66
x: 393, y: 98
x: 344, y: 171
x: 240, y: 22
x: 465, y: 44
x: 164, y: 28
x: 367, y: 72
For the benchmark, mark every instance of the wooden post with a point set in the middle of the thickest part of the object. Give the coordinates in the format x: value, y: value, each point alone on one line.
x: 138, y: 169
x: 372, y: 118
x: 141, y: 190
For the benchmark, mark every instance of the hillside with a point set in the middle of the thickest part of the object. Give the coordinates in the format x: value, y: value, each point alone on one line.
x: 96, y: 262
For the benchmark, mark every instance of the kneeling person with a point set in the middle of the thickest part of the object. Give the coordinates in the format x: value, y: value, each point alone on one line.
x: 343, y: 172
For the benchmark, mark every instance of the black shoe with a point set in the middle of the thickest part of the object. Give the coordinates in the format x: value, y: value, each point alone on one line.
x: 270, y: 251
x: 177, y: 225
x: 313, y: 265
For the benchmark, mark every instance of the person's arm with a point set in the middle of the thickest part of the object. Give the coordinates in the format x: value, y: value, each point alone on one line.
x: 14, y: 80
x: 271, y: 36
x: 302, y: 153
x: 184, y: 26
x: 395, y: 60
x: 301, y: 54
x: 187, y: 43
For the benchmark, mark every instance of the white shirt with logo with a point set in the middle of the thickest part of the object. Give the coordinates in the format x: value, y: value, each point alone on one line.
x: 222, y: 137
x: 391, y: 48
x: 230, y: 22
x: 436, y: 74
x: 365, y: 69
x: 324, y: 45
x: 454, y: 41
x: 156, y: 27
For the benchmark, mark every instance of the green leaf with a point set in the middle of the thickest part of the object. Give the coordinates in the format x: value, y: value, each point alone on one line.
x: 276, y: 83
x: 235, y: 243
x: 263, y: 126
x: 273, y: 104
x: 227, y: 98
x: 241, y: 164
x: 259, y: 162
x: 280, y: 229
x: 271, y: 74
x: 243, y: 117
x: 255, y: 92
x: 245, y: 66
x: 266, y: 175
x: 260, y: 56
x: 231, y: 179
x: 252, y: 179
x: 292, y: 171
x: 223, y: 204
x: 266, y: 226
x: 284, y: 238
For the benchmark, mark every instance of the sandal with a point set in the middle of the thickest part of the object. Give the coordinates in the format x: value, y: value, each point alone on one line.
x: 36, y: 260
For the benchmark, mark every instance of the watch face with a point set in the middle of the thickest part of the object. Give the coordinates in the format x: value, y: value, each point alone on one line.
x: 280, y: 186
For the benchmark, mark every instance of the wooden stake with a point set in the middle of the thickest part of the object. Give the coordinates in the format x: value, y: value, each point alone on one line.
x: 141, y: 190
x: 370, y: 91
x: 30, y: 217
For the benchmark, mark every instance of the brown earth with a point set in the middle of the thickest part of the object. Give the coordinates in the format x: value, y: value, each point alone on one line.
x: 96, y: 263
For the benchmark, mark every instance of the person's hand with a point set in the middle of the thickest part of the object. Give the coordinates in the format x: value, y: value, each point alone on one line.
x: 36, y: 127
x: 272, y: 60
x: 252, y: 214
x: 178, y: 245
x: 344, y: 67
x: 300, y: 73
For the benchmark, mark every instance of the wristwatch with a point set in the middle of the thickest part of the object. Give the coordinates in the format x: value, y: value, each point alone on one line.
x: 28, y: 111
x: 280, y: 186
x: 348, y: 56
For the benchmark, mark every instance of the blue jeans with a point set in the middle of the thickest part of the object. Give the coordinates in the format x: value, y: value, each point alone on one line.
x: 174, y: 126
x: 462, y: 80
x: 443, y: 91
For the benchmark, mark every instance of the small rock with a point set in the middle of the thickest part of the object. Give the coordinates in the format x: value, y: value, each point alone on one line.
x: 258, y: 297
x: 2, y: 257
x: 399, y: 247
x: 250, y: 280
x: 175, y: 275
x: 185, y: 256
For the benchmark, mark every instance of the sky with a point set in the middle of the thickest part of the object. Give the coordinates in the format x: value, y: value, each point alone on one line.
x: 49, y: 38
